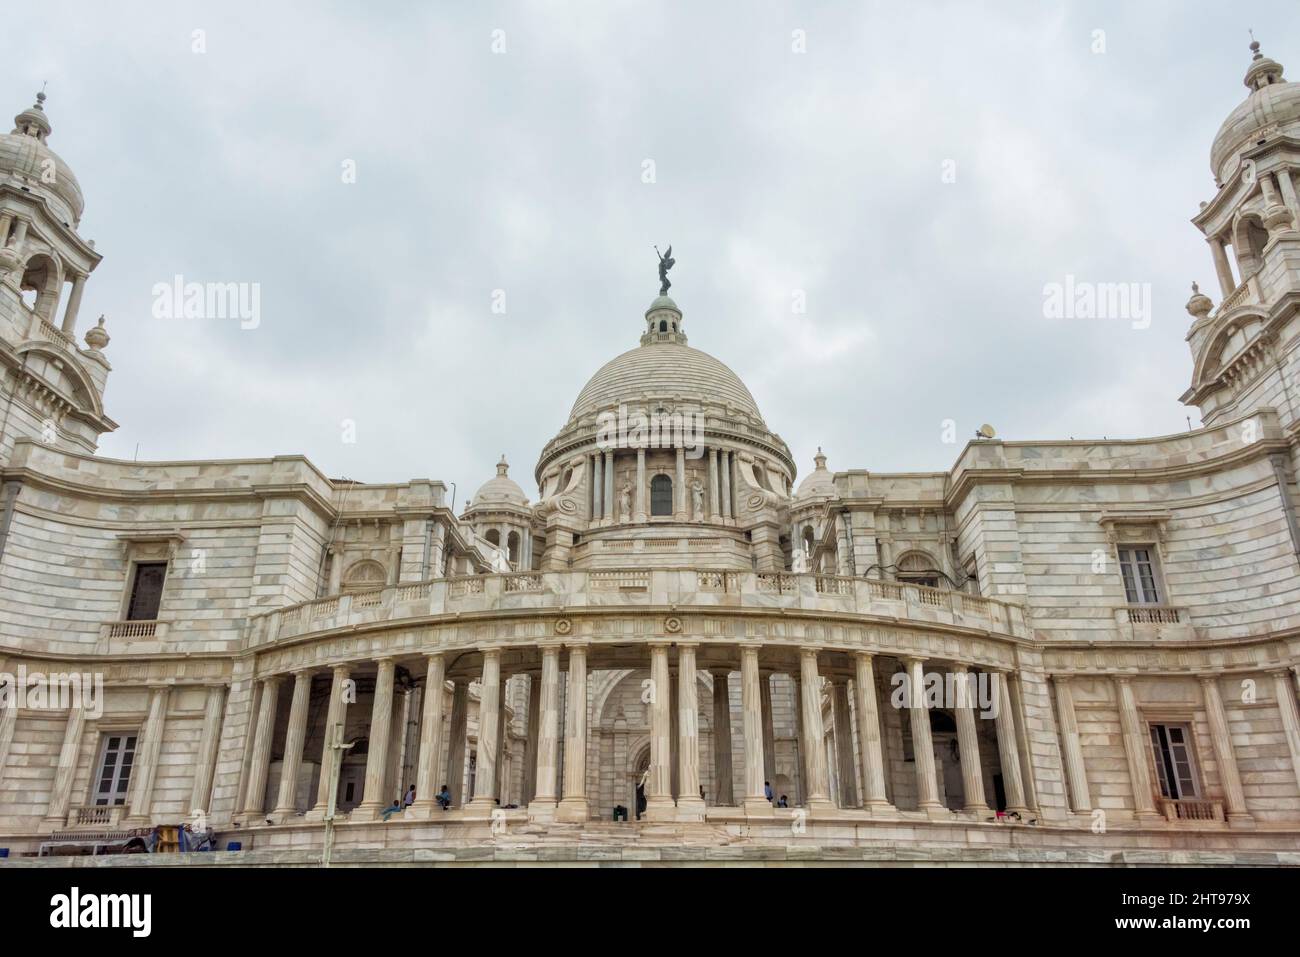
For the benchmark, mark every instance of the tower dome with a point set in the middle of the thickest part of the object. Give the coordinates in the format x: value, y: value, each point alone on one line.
x: 819, y: 483
x: 27, y: 161
x: 501, y: 489
x: 1272, y: 109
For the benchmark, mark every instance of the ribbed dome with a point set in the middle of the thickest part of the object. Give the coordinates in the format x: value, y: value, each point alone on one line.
x: 499, y: 490
x: 819, y: 483
x: 662, y: 370
x: 1273, y: 108
x: 28, y: 161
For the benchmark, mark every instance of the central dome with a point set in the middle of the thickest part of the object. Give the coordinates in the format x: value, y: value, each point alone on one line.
x: 664, y: 370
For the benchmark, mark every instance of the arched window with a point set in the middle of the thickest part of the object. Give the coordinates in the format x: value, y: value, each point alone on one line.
x: 493, y: 537
x: 808, y: 541
x: 365, y: 575
x: 918, y: 568
x: 512, y: 548
x: 663, y: 326
x: 661, y: 495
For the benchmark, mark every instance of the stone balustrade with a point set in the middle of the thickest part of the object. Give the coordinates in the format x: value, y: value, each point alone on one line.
x: 687, y: 588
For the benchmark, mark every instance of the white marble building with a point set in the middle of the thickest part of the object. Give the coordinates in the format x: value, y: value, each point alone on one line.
x: 672, y: 608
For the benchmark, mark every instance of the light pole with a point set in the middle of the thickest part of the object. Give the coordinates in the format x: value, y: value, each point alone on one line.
x: 336, y: 749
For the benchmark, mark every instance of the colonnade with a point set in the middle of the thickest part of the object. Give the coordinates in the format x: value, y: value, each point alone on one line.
x: 556, y: 788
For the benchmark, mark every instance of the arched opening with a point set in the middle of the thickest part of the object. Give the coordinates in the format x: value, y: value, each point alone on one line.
x: 40, y: 286
x: 365, y: 575
x: 808, y: 540
x: 661, y: 495
x: 512, y: 548
x: 663, y: 326
x: 1249, y: 239
x: 493, y: 538
x: 918, y: 568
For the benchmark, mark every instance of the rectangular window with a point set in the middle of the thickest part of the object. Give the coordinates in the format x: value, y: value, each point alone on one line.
x: 1137, y: 565
x: 1172, y: 746
x: 146, y: 591
x: 115, y: 760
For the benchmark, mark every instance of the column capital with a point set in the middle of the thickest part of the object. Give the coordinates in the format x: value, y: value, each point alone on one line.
x: 809, y: 651
x: 959, y: 668
x: 866, y: 655
x: 342, y: 671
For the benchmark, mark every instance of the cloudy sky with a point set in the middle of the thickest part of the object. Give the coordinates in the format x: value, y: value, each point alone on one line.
x: 917, y: 173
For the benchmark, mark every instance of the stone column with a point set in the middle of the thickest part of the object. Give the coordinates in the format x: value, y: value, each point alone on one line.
x: 1286, y: 705
x: 1076, y: 775
x: 714, y: 514
x: 1137, y: 745
x: 769, y: 732
x: 206, y: 758
x: 690, y: 805
x: 927, y: 781
x: 1008, y: 747
x: 503, y: 739
x: 725, y: 465
x: 846, y: 774
x: 1234, y: 799
x: 439, y: 547
x: 6, y: 219
x: 529, y: 776
x: 336, y: 569
x: 294, y: 738
x: 1287, y: 187
x: 658, y: 791
x: 260, y: 766
x: 145, y: 768
x: 66, y: 770
x: 639, y: 513
x: 674, y: 788
x: 1221, y: 268
x: 751, y: 707
x: 609, y: 500
x: 968, y: 745
x: 814, y: 749
x: 867, y: 706
x: 489, y: 728
x: 74, y: 304
x: 427, y: 784
x: 542, y: 804
x: 723, y: 786
x: 597, y: 487
x: 375, y: 798
x: 334, y: 716
x: 573, y: 805
x: 456, y: 742
x: 680, y: 508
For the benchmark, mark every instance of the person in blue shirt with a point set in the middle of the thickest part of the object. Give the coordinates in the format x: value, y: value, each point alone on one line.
x: 767, y: 791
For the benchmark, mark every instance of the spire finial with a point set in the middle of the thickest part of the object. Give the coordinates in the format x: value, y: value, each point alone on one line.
x: 503, y: 466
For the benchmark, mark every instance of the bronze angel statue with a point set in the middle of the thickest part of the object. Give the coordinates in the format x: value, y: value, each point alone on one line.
x: 666, y: 262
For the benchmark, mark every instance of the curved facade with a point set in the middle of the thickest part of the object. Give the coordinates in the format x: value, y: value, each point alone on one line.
x: 1061, y: 651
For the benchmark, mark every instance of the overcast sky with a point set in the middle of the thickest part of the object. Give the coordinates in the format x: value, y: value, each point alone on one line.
x: 775, y: 172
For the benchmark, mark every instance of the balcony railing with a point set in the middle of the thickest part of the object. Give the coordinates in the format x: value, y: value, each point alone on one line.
x: 1155, y: 614
x: 133, y: 630
x: 677, y: 587
x: 1184, y: 809
x: 96, y: 815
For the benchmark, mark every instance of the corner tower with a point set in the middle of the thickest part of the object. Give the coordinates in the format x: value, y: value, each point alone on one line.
x: 51, y: 390
x: 1244, y: 350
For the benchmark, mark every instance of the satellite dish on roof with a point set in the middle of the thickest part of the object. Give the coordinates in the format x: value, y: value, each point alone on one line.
x: 986, y: 431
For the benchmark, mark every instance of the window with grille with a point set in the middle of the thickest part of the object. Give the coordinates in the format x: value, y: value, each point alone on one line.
x: 1172, y: 746
x: 115, y: 759
x: 146, y: 591
x: 1137, y: 566
x: 917, y: 568
x: 661, y: 495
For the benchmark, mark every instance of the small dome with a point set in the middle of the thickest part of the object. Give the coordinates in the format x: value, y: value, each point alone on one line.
x: 500, y: 490
x: 1272, y: 109
x: 27, y: 161
x: 819, y: 483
